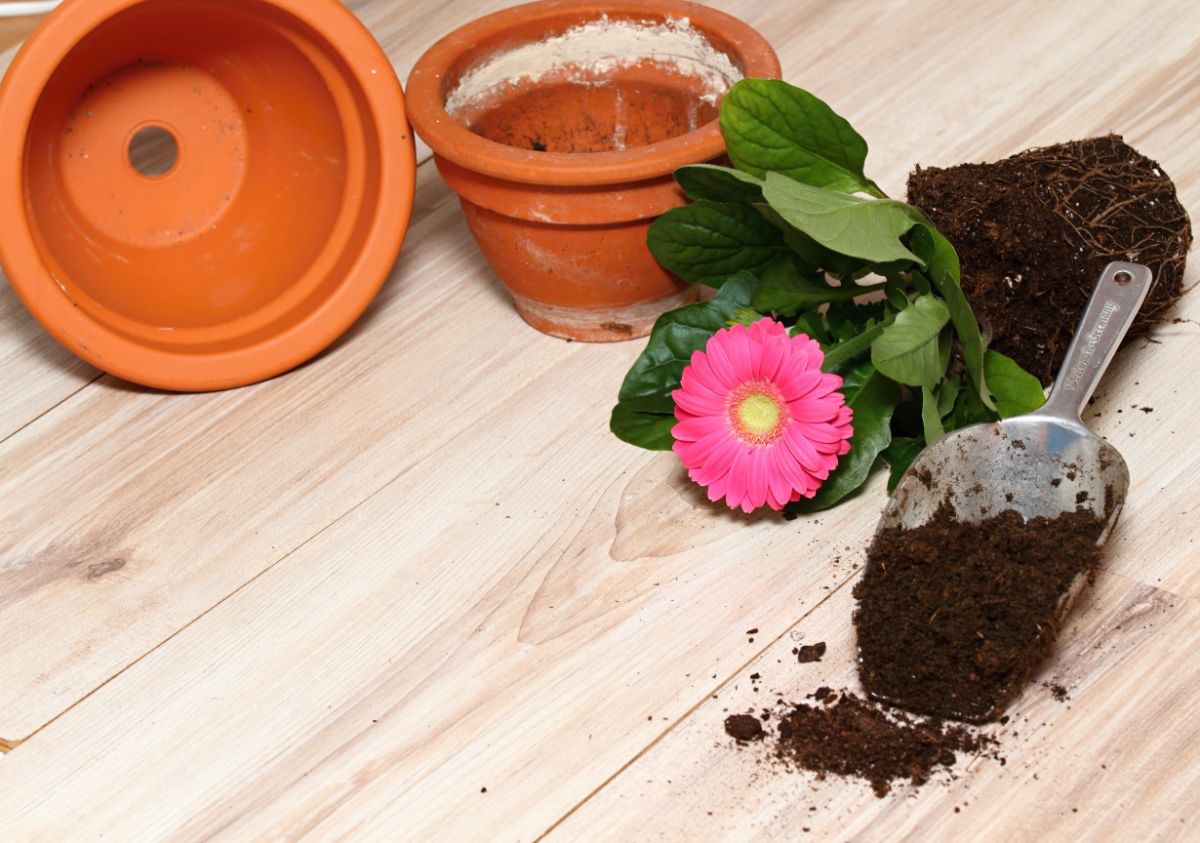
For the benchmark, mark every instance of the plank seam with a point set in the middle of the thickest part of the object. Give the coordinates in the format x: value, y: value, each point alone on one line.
x: 737, y: 672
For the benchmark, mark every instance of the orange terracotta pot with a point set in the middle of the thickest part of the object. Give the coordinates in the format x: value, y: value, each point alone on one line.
x: 270, y: 218
x: 561, y: 172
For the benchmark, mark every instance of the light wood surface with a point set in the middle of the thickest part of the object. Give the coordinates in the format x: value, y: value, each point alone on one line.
x: 342, y: 603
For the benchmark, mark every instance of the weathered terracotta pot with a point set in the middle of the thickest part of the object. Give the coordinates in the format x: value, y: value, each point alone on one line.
x: 561, y: 171
x: 265, y: 226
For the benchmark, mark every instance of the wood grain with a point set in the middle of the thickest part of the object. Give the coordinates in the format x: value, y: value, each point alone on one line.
x: 343, y: 602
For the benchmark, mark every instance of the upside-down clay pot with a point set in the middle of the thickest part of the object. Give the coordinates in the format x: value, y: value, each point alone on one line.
x: 560, y: 172
x: 200, y: 194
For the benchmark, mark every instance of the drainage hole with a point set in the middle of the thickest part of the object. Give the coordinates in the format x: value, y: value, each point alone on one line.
x: 153, y: 151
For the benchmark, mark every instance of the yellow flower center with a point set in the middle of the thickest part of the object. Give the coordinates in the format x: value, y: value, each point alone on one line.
x: 756, y: 412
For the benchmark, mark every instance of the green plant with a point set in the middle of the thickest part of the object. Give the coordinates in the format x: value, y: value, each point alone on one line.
x: 797, y: 231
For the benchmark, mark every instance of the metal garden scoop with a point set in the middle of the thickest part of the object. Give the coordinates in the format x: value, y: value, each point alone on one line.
x: 1040, y: 463
x: 1045, y: 463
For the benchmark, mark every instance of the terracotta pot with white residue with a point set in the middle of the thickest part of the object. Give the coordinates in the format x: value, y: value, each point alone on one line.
x: 559, y: 125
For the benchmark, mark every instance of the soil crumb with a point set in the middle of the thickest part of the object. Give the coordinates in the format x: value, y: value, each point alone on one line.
x: 810, y: 652
x: 1059, y: 692
x: 743, y: 727
x: 954, y: 617
x: 1035, y: 230
x: 845, y: 735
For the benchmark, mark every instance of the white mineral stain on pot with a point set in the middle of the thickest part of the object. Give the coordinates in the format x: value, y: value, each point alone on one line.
x: 599, y: 47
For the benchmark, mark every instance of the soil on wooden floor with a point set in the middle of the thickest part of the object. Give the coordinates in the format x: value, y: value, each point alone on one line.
x: 1034, y: 231
x: 842, y: 734
x: 953, y: 617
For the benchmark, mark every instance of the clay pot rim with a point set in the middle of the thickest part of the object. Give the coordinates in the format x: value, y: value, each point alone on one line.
x: 451, y: 140
x: 183, y: 370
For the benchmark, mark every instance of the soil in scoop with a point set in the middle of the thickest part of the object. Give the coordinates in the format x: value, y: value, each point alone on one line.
x: 572, y: 117
x: 953, y: 617
x: 844, y: 735
x: 1034, y: 232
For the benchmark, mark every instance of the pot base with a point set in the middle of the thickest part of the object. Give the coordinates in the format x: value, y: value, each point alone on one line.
x: 606, y: 324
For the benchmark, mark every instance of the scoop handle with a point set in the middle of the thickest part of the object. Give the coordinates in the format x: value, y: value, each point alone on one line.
x: 1115, y: 302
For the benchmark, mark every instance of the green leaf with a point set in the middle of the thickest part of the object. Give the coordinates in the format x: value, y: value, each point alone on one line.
x: 719, y: 184
x: 814, y: 326
x: 948, y: 395
x: 849, y: 349
x: 941, y: 263
x: 785, y: 287
x: 873, y: 398
x: 656, y: 373
x: 968, y: 409
x: 896, y: 297
x: 771, y: 126
x: 907, y: 350
x: 1017, y: 392
x: 870, y: 229
x: 930, y: 417
x: 707, y: 242
x: 811, y: 253
x: 899, y: 456
x: 651, y: 431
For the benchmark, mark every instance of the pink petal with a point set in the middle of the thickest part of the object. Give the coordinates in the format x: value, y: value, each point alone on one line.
x: 699, y: 375
x: 799, y: 386
x: 805, y: 410
x: 719, y: 463
x: 699, y: 402
x: 820, y: 433
x: 793, y: 365
x: 699, y: 378
x: 736, y: 491
x: 780, y: 488
x: 757, y: 479
x: 802, y: 449
x: 722, y: 366
x: 813, y: 348
x: 792, y: 471
x: 716, y: 489
x: 737, y: 343
x: 703, y: 451
x: 826, y: 386
x: 777, y: 503
x: 695, y: 429
x: 771, y: 356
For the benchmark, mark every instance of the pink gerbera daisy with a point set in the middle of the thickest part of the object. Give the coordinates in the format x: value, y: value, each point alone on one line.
x: 758, y: 421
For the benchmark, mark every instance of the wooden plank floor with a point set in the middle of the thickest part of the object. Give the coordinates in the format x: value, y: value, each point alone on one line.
x: 343, y: 603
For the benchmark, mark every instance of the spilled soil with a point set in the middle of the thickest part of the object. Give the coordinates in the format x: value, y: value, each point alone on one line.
x: 953, y: 618
x: 842, y: 734
x: 1034, y: 231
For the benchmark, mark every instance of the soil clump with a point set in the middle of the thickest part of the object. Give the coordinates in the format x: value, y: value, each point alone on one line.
x: 1034, y: 231
x: 954, y: 617
x: 844, y: 735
